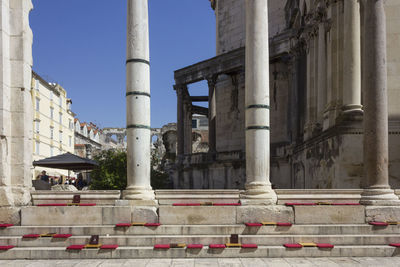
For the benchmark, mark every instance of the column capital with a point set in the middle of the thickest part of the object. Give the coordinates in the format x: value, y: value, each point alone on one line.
x: 212, y: 81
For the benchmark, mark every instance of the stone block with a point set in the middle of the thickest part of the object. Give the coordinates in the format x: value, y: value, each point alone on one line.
x: 197, y: 215
x: 113, y: 215
x: 10, y: 215
x: 329, y: 214
x: 264, y: 213
x: 61, y: 216
x: 74, y: 215
x: 144, y: 214
x: 382, y: 213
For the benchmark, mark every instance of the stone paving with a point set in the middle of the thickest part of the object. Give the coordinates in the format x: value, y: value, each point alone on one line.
x: 237, y: 262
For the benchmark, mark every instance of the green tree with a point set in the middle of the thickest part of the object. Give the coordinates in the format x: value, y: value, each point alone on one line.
x: 111, y: 172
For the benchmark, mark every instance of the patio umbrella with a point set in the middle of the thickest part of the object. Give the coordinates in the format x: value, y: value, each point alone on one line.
x: 67, y: 161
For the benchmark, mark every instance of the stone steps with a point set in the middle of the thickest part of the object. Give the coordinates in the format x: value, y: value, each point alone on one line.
x: 262, y: 240
x: 322, y: 229
x: 149, y: 252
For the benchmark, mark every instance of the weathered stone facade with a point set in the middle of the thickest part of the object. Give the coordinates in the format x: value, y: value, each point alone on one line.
x: 316, y: 113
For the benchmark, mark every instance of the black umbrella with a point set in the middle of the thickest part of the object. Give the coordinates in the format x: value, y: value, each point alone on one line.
x: 67, y: 161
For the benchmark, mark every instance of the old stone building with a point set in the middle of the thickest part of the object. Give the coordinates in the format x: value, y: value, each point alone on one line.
x: 316, y: 108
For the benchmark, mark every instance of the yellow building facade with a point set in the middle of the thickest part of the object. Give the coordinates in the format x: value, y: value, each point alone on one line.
x: 53, y: 123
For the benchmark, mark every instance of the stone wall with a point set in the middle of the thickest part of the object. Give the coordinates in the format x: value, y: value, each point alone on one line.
x: 230, y: 135
x: 231, y: 23
x: 15, y: 108
x: 393, y: 57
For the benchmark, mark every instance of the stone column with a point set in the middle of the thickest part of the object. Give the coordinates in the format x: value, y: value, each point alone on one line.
x: 258, y: 185
x: 180, y: 120
x: 16, y: 112
x: 352, y: 58
x: 187, y: 126
x: 211, y: 115
x: 138, y: 104
x: 322, y: 81
x: 376, y: 158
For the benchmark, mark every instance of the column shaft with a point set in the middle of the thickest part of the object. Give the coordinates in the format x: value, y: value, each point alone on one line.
x: 322, y: 82
x: 352, y: 57
x: 187, y: 116
x: 376, y: 156
x: 211, y: 116
x: 258, y: 186
x: 138, y: 103
x: 180, y: 120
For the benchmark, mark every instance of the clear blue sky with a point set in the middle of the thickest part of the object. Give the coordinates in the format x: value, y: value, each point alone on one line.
x: 80, y: 44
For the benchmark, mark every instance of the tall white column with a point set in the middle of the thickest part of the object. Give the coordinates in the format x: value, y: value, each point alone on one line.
x: 258, y: 186
x: 352, y: 58
x: 376, y: 156
x: 138, y: 103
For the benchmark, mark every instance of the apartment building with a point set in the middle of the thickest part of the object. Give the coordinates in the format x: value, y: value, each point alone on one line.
x: 53, y: 123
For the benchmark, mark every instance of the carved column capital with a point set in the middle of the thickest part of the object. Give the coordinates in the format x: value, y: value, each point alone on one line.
x: 180, y: 89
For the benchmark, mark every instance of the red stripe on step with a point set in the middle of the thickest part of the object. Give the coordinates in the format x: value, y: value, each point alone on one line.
x: 249, y: 246
x: 6, y: 247
x: 324, y: 245
x: 283, y: 224
x: 75, y: 247
x: 62, y: 235
x: 109, y: 246
x: 152, y: 224
x: 378, y: 223
x: 395, y: 245
x: 292, y: 245
x: 194, y: 246
x: 161, y: 246
x: 31, y: 236
x: 5, y: 225
x: 217, y: 246
x: 52, y: 205
x: 253, y: 224
x: 123, y: 225
x: 87, y: 204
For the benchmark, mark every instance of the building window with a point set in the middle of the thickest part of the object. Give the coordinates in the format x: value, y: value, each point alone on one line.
x: 37, y: 104
x: 51, y: 95
x: 37, y: 85
x: 70, y: 140
x: 37, y: 147
x: 51, y: 133
x: 203, y: 122
x: 51, y: 151
x: 52, y: 113
x: 37, y: 126
x: 60, y: 101
x: 70, y: 124
x: 61, y: 137
x: 194, y: 124
x: 60, y: 118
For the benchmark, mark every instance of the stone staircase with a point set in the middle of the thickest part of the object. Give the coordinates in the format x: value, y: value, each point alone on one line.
x: 350, y: 240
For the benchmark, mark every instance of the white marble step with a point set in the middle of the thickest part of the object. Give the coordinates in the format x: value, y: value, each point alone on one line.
x: 143, y: 240
x: 323, y: 229
x: 149, y: 252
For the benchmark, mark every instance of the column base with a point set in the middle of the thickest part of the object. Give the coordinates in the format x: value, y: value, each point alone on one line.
x: 379, y: 197
x: 258, y: 194
x: 139, y: 196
